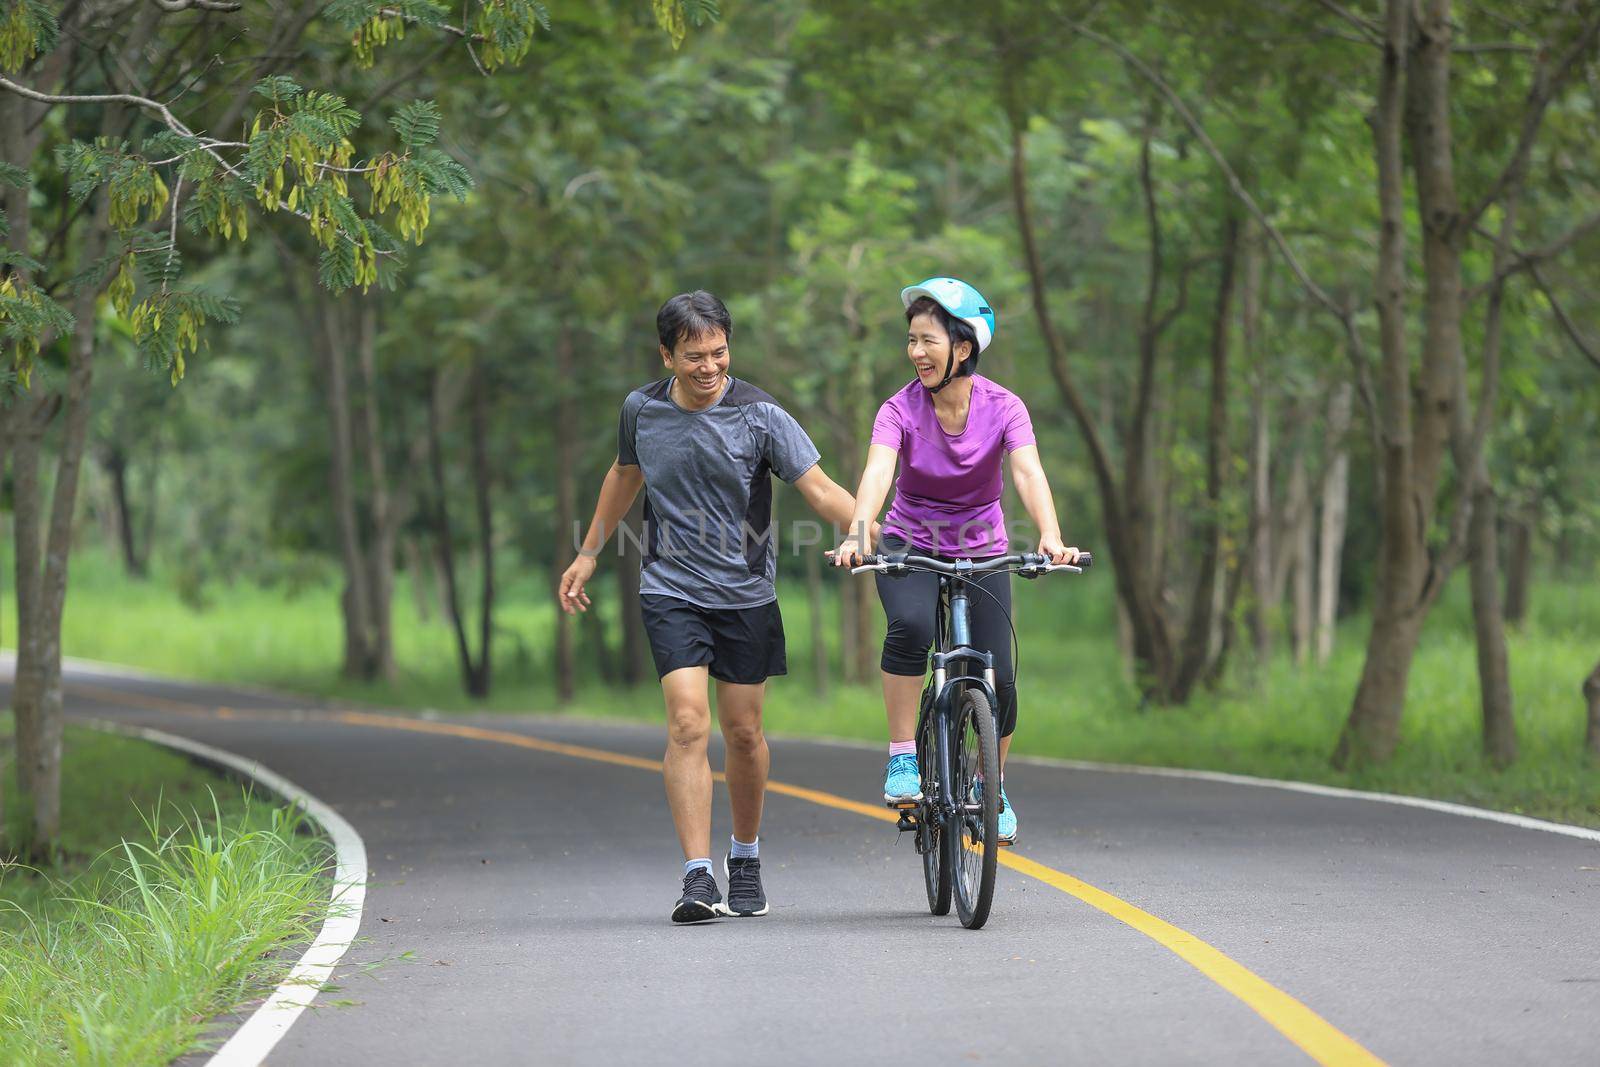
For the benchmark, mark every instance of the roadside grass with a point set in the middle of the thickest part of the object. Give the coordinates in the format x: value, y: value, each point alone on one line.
x: 172, y: 897
x: 1274, y: 719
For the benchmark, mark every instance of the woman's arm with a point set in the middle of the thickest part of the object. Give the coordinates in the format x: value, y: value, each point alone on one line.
x: 1034, y: 488
x: 876, y: 478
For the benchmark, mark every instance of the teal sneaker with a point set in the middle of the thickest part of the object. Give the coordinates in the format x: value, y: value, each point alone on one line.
x: 902, y: 781
x: 1008, y: 815
x: 1008, y: 819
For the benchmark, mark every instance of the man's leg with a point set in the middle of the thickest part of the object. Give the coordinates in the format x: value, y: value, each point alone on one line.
x: 748, y: 759
x: 685, y: 768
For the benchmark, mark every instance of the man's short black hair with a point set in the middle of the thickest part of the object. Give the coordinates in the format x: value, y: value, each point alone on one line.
x: 690, y: 316
x: 957, y: 330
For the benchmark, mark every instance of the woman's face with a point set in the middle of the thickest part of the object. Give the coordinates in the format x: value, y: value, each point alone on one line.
x: 928, y: 347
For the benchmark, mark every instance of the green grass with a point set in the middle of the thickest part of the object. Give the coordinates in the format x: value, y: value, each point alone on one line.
x: 1274, y: 719
x: 172, y: 894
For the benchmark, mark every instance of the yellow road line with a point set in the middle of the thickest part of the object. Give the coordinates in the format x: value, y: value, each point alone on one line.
x: 1318, y: 1038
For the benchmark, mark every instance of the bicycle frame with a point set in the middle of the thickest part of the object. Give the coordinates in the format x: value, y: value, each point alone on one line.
x: 956, y: 666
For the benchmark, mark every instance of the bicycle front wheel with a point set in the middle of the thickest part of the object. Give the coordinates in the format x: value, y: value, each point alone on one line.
x: 930, y: 842
x: 973, y: 851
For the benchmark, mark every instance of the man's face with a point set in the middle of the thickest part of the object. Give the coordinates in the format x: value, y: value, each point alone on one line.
x: 699, y: 363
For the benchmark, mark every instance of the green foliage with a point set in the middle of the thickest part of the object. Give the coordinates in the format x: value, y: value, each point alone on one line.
x: 674, y: 16
x: 27, y: 28
x: 27, y: 314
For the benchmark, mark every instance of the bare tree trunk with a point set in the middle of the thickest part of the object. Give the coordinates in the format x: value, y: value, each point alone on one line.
x: 444, y: 540
x: 383, y: 517
x: 566, y: 431
x: 28, y: 419
x: 1335, y: 502
x: 421, y: 576
x: 1494, y: 673
x: 482, y: 489
x: 1260, y: 558
x: 1373, y: 726
x: 115, y: 462
x: 356, y: 598
x: 1519, y: 567
x: 1591, y: 693
x: 1303, y: 553
x: 1202, y: 609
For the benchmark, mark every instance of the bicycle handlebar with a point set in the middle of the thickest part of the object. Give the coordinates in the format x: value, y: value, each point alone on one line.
x: 1029, y: 564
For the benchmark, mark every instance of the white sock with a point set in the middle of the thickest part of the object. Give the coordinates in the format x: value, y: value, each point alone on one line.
x: 742, y: 851
x: 690, y: 865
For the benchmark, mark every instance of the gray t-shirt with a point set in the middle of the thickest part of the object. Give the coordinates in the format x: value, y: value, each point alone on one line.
x: 708, y: 494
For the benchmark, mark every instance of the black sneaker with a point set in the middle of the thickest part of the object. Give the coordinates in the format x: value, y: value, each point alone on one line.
x: 745, y: 896
x: 701, y: 899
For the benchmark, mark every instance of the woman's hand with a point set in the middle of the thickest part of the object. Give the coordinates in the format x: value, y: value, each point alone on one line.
x: 1051, y: 545
x: 849, y: 553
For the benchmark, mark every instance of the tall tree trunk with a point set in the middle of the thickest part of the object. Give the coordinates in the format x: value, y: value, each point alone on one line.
x: 28, y: 419
x: 444, y: 538
x: 1335, y: 503
x: 356, y: 598
x: 1197, y: 649
x: 1303, y: 553
x: 1494, y: 673
x: 1591, y: 693
x: 115, y: 462
x: 566, y: 431
x: 482, y: 476
x: 1260, y: 557
x: 384, y: 520
x: 1373, y: 726
x: 1153, y: 653
x: 1519, y: 567
x: 421, y: 576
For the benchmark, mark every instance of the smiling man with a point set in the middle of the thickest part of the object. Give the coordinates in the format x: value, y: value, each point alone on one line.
x: 703, y: 445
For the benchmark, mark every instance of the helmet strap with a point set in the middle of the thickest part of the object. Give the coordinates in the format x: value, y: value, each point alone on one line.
x: 949, y: 372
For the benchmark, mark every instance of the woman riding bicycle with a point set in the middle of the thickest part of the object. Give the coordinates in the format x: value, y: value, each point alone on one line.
x: 949, y: 430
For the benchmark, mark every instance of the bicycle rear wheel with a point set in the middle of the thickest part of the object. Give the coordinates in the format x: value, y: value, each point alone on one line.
x: 935, y: 871
x: 973, y: 852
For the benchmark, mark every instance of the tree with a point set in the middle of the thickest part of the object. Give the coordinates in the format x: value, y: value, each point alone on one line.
x: 91, y: 90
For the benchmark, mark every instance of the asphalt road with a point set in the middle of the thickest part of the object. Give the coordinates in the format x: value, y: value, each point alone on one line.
x: 518, y: 904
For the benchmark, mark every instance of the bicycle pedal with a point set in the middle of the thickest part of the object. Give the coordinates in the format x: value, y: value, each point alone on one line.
x: 1003, y: 843
x: 906, y: 821
x: 903, y: 805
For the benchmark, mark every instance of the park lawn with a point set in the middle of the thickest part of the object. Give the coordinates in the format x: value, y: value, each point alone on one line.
x: 175, y: 898
x: 1274, y: 719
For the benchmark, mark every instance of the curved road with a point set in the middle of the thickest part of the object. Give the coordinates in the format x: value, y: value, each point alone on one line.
x: 519, y: 893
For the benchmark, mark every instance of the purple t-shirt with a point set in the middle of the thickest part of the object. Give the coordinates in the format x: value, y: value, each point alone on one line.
x: 947, y: 495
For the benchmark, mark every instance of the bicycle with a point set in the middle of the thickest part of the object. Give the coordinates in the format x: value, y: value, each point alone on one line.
x: 957, y: 825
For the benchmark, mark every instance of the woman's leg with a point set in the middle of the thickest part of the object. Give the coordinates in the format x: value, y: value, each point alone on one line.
x: 908, y: 605
x: 991, y: 630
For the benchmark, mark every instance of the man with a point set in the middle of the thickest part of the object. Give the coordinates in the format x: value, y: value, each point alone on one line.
x: 703, y: 444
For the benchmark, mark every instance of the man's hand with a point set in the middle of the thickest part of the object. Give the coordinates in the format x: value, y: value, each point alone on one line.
x: 571, y: 597
x: 1051, y: 545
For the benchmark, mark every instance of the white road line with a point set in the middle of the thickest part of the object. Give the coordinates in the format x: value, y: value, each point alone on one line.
x: 1444, y: 807
x: 249, y: 1045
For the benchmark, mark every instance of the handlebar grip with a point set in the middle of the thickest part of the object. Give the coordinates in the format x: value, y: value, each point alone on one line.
x: 1085, y: 560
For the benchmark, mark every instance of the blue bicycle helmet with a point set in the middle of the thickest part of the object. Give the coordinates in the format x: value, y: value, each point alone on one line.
x: 963, y: 302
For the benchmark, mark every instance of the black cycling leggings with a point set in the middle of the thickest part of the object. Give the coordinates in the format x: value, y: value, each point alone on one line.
x: 909, y: 604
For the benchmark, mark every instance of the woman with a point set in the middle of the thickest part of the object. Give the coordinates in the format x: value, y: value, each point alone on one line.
x: 949, y: 430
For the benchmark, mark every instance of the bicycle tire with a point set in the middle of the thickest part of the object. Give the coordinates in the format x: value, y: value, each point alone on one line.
x: 972, y: 848
x: 936, y: 877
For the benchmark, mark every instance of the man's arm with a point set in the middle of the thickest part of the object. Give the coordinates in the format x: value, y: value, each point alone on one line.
x: 617, y: 492
x: 827, y: 498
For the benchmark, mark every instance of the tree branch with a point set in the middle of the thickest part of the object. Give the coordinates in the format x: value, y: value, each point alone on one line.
x: 1522, y: 260
x: 1567, y: 325
x: 1546, y: 81
x: 1356, y: 347
x: 202, y: 5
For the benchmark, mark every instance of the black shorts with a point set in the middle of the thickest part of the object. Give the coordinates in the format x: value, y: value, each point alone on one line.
x: 740, y: 645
